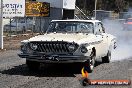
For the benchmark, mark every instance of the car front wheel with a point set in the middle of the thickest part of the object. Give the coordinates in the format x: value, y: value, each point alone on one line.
x: 107, y: 58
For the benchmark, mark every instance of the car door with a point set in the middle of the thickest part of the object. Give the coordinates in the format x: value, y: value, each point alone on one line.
x: 105, y: 38
x: 102, y: 45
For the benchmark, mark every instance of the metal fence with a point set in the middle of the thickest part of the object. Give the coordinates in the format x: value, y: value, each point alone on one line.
x: 102, y: 14
x: 25, y: 25
x: 19, y: 25
x: 18, y: 29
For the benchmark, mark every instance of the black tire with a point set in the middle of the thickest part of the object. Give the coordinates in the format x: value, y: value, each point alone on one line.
x: 90, y: 64
x: 32, y: 65
x: 85, y: 82
x: 107, y: 58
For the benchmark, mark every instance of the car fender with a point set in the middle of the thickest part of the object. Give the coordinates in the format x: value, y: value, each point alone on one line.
x: 90, y: 49
x: 112, y: 42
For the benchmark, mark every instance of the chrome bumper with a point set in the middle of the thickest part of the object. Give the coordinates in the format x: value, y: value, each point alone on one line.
x: 54, y: 58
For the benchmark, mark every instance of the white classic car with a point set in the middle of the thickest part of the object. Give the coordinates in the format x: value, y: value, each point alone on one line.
x: 69, y: 41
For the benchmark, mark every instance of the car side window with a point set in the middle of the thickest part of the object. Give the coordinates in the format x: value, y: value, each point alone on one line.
x: 99, y: 28
x: 102, y: 28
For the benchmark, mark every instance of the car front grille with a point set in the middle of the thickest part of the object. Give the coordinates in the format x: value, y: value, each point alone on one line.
x: 54, y: 47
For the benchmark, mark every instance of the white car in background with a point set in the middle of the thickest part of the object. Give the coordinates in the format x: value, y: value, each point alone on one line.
x: 69, y: 41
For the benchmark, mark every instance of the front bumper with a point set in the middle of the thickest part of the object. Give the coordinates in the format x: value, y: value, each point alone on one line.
x: 54, y: 58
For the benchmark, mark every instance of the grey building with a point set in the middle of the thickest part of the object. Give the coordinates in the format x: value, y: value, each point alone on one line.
x: 59, y: 9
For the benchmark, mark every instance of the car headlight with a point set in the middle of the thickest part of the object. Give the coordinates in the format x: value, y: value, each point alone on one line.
x: 84, y: 49
x: 33, y: 46
x: 71, y: 47
x: 23, y: 47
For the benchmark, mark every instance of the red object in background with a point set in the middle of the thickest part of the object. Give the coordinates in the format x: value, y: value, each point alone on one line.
x: 129, y: 23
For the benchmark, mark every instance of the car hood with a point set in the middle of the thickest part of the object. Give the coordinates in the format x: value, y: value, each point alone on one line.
x: 77, y: 38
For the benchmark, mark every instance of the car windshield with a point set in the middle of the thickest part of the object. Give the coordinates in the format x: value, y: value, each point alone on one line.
x: 70, y: 27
